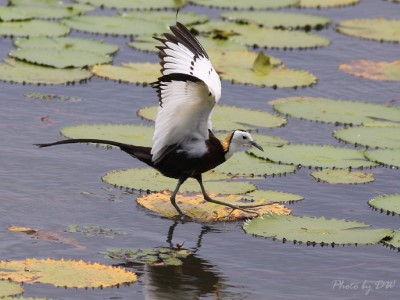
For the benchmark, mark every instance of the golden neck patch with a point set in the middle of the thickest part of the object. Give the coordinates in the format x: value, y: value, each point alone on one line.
x: 226, y: 142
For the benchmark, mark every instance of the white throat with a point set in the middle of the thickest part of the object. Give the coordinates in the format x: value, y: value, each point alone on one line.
x: 233, y: 147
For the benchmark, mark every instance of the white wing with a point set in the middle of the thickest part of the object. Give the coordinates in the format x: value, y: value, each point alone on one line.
x: 188, y: 91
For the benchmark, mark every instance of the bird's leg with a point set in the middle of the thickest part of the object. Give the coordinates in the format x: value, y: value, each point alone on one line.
x: 181, y: 180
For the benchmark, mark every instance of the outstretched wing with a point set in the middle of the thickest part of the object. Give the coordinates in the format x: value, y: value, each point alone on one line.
x: 187, y: 90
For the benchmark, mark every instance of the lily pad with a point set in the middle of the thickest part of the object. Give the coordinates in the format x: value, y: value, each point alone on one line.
x: 136, y: 73
x: 137, y: 4
x: 20, y: 72
x: 229, y: 117
x: 388, y: 203
x: 194, y: 206
x: 65, y: 273
x: 378, y: 29
x: 374, y: 137
x: 114, y: 25
x: 326, y: 3
x: 53, y: 4
x: 343, y: 176
x: 313, y: 230
x: 22, y: 13
x: 317, y: 156
x: 278, y: 20
x: 243, y: 164
x: 255, y: 36
x: 151, y: 180
x: 273, y: 196
x: 248, y: 4
x: 168, y: 17
x: 152, y: 256
x: 335, y: 111
x: 375, y: 70
x: 62, y: 43
x: 124, y: 133
x: 8, y: 289
x: 388, y: 157
x: 32, y: 28
x: 65, y: 58
x: 394, y: 242
x: 95, y: 230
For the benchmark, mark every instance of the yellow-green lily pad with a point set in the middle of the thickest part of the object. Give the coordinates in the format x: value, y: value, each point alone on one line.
x: 378, y: 29
x: 32, y: 28
x: 273, y: 196
x: 168, y: 17
x: 394, y: 242
x: 387, y: 157
x: 343, y: 176
x: 8, y: 289
x: 375, y: 70
x: 388, y: 203
x: 136, y: 4
x: 26, y: 12
x: 248, y: 4
x: 326, y: 3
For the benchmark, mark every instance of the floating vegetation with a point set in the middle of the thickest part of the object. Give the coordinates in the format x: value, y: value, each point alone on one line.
x: 387, y: 203
x: 343, y: 176
x: 273, y: 196
x: 136, y: 73
x: 138, y: 179
x: 8, y: 289
x: 23, y: 13
x: 335, y: 111
x: 378, y: 29
x: 326, y: 4
x: 52, y: 3
x: 150, y: 256
x: 387, y: 157
x: 375, y: 70
x: 249, y: 4
x: 313, y: 230
x: 137, y: 4
x: 317, y: 156
x: 372, y: 137
x: 139, y: 135
x: 65, y: 273
x: 32, y: 28
x: 278, y: 20
x: 15, y: 71
x: 394, y: 242
x: 199, y: 210
x: 65, y: 43
x: 255, y: 36
x: 230, y: 117
x: 50, y: 97
x: 168, y: 17
x: 94, y: 230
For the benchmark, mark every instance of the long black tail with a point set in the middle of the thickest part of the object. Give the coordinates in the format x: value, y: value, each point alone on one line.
x: 139, y: 152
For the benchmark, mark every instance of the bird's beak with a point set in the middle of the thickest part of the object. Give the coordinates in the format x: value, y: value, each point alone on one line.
x: 254, y: 144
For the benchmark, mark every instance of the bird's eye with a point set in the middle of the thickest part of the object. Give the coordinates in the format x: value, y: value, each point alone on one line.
x: 245, y: 137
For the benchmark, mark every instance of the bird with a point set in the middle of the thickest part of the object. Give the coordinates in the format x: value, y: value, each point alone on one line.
x: 184, y: 145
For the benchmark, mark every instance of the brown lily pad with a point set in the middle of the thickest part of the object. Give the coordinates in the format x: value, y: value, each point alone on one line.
x: 375, y: 70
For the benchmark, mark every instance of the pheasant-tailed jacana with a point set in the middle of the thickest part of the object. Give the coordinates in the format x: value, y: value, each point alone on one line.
x: 184, y: 145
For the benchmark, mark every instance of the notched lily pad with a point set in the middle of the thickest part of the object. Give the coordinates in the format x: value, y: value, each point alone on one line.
x: 386, y: 203
x: 343, y: 176
x: 136, y: 73
x: 317, y: 156
x: 168, y: 17
x: 335, y: 111
x: 151, y: 256
x: 248, y: 4
x: 137, y: 4
x: 313, y: 230
x: 27, y: 12
x: 272, y: 196
x: 20, y: 72
x: 194, y: 206
x: 229, y: 117
x: 375, y: 70
x: 8, y: 289
x: 32, y: 28
x: 326, y: 3
x: 387, y: 157
x: 65, y: 273
x: 394, y: 242
x: 378, y: 29
x: 372, y: 137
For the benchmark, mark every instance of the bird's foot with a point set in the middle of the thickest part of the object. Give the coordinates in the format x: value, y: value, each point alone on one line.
x: 183, y: 218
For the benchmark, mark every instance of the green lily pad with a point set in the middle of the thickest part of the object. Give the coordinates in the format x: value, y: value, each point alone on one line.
x: 66, y: 58
x: 316, y: 156
x: 326, y: 4
x: 168, y: 17
x: 32, y: 28
x: 374, y: 137
x: 248, y: 4
x: 394, y: 242
x: 379, y: 29
x: 136, y: 73
x: 152, y: 181
x: 21, y: 13
x: 377, y: 123
x: 152, y: 256
x: 229, y: 117
x: 375, y: 70
x: 388, y: 203
x: 255, y: 36
x: 8, y: 289
x: 278, y: 20
x: 137, y: 4
x: 114, y: 25
x: 62, y: 43
x: 343, y: 176
x: 335, y: 111
x: 81, y: 8
x: 124, y: 133
x: 20, y: 72
x: 243, y: 164
x: 273, y: 196
x: 388, y: 157
x: 312, y: 230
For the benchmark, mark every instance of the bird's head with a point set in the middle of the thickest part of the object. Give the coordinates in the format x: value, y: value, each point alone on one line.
x: 236, y: 139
